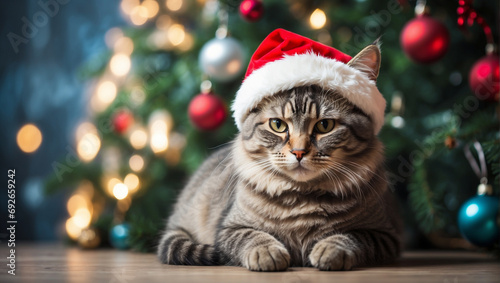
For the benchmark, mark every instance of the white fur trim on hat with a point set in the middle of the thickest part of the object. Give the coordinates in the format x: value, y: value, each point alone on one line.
x: 309, y: 69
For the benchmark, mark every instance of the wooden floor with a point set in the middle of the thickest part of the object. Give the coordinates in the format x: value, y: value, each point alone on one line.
x: 55, y: 263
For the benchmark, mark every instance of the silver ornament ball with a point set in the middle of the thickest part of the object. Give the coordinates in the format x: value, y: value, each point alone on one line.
x: 222, y: 59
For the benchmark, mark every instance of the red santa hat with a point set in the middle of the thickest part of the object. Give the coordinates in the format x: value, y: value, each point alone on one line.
x: 285, y: 60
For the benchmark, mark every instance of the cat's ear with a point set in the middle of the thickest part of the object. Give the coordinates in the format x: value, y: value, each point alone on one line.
x: 367, y: 61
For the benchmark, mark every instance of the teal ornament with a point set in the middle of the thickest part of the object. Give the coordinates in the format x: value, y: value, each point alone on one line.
x: 477, y: 220
x: 119, y: 236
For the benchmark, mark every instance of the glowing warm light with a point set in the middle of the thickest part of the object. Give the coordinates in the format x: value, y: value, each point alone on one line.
x: 112, y: 36
x: 187, y: 44
x: 160, y: 121
x: 72, y: 229
x: 138, y: 138
x: 173, y: 5
x: 120, y: 191
x: 76, y: 202
x: 82, y: 218
x: 128, y: 5
x: 29, y: 138
x: 317, y: 19
x: 132, y: 182
x: 124, y: 45
x: 159, y: 126
x: 88, y: 147
x: 84, y: 128
x: 106, y: 92
x: 139, y: 15
x: 136, y: 163
x: 472, y: 210
x: 176, y: 34
x: 111, y: 185
x: 159, y: 142
x: 120, y: 64
x: 152, y: 7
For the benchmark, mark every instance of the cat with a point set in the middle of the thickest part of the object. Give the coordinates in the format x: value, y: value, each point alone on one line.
x: 302, y: 184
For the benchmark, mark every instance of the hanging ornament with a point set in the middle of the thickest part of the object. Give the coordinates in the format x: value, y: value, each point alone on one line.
x: 122, y: 120
x: 89, y: 238
x: 478, y: 217
x: 484, y: 78
x: 424, y: 39
x: 207, y: 111
x: 222, y: 58
x: 251, y: 10
x: 119, y: 236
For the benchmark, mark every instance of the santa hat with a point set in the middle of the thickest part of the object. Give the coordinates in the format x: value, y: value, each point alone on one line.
x: 285, y: 60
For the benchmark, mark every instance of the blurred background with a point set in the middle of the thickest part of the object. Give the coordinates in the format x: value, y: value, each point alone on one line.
x: 109, y: 106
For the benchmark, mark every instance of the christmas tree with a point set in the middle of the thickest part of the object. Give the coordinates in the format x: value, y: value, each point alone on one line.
x: 157, y: 105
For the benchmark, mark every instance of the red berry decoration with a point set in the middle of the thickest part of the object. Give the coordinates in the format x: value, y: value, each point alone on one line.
x: 424, y: 39
x: 122, y: 121
x: 484, y: 78
x: 251, y: 10
x: 207, y: 111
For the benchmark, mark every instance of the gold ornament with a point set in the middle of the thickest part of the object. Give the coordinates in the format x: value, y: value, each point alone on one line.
x: 89, y: 239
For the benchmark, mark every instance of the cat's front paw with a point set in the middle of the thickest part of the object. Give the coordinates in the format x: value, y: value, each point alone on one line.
x: 330, y: 256
x: 267, y: 258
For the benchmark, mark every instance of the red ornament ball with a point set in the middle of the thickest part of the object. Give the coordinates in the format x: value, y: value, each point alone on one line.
x: 424, y: 39
x: 251, y: 10
x: 207, y: 111
x: 484, y: 78
x: 122, y: 121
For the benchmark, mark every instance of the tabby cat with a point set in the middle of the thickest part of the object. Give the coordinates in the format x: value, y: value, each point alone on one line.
x: 302, y: 184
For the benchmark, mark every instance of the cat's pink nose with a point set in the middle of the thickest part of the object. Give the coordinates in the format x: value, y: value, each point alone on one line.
x: 299, y: 153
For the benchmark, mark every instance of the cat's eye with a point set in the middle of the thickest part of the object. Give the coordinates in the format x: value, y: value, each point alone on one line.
x: 278, y: 125
x: 324, y: 126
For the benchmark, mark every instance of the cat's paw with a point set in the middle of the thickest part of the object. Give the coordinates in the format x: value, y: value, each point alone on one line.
x: 330, y: 256
x: 267, y: 258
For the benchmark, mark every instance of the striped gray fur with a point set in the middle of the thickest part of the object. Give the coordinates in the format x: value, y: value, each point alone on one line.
x: 250, y: 205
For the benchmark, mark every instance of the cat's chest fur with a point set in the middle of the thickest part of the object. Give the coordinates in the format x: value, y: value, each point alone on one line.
x: 298, y: 216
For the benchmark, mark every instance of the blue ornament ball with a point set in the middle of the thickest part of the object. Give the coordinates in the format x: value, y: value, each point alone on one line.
x: 477, y: 220
x: 119, y: 236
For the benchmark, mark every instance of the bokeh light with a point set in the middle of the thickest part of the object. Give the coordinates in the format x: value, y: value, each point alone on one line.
x: 136, y: 163
x: 82, y: 218
x: 159, y: 142
x: 128, y: 5
x: 176, y: 34
x: 106, y: 92
x: 88, y: 146
x: 152, y: 7
x: 120, y: 191
x: 110, y: 185
x: 76, y: 202
x: 120, y: 64
x: 124, y: 45
x: 317, y: 19
x: 174, y: 5
x: 72, y: 229
x: 132, y: 182
x: 138, y: 138
x: 29, y: 138
x: 139, y: 15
